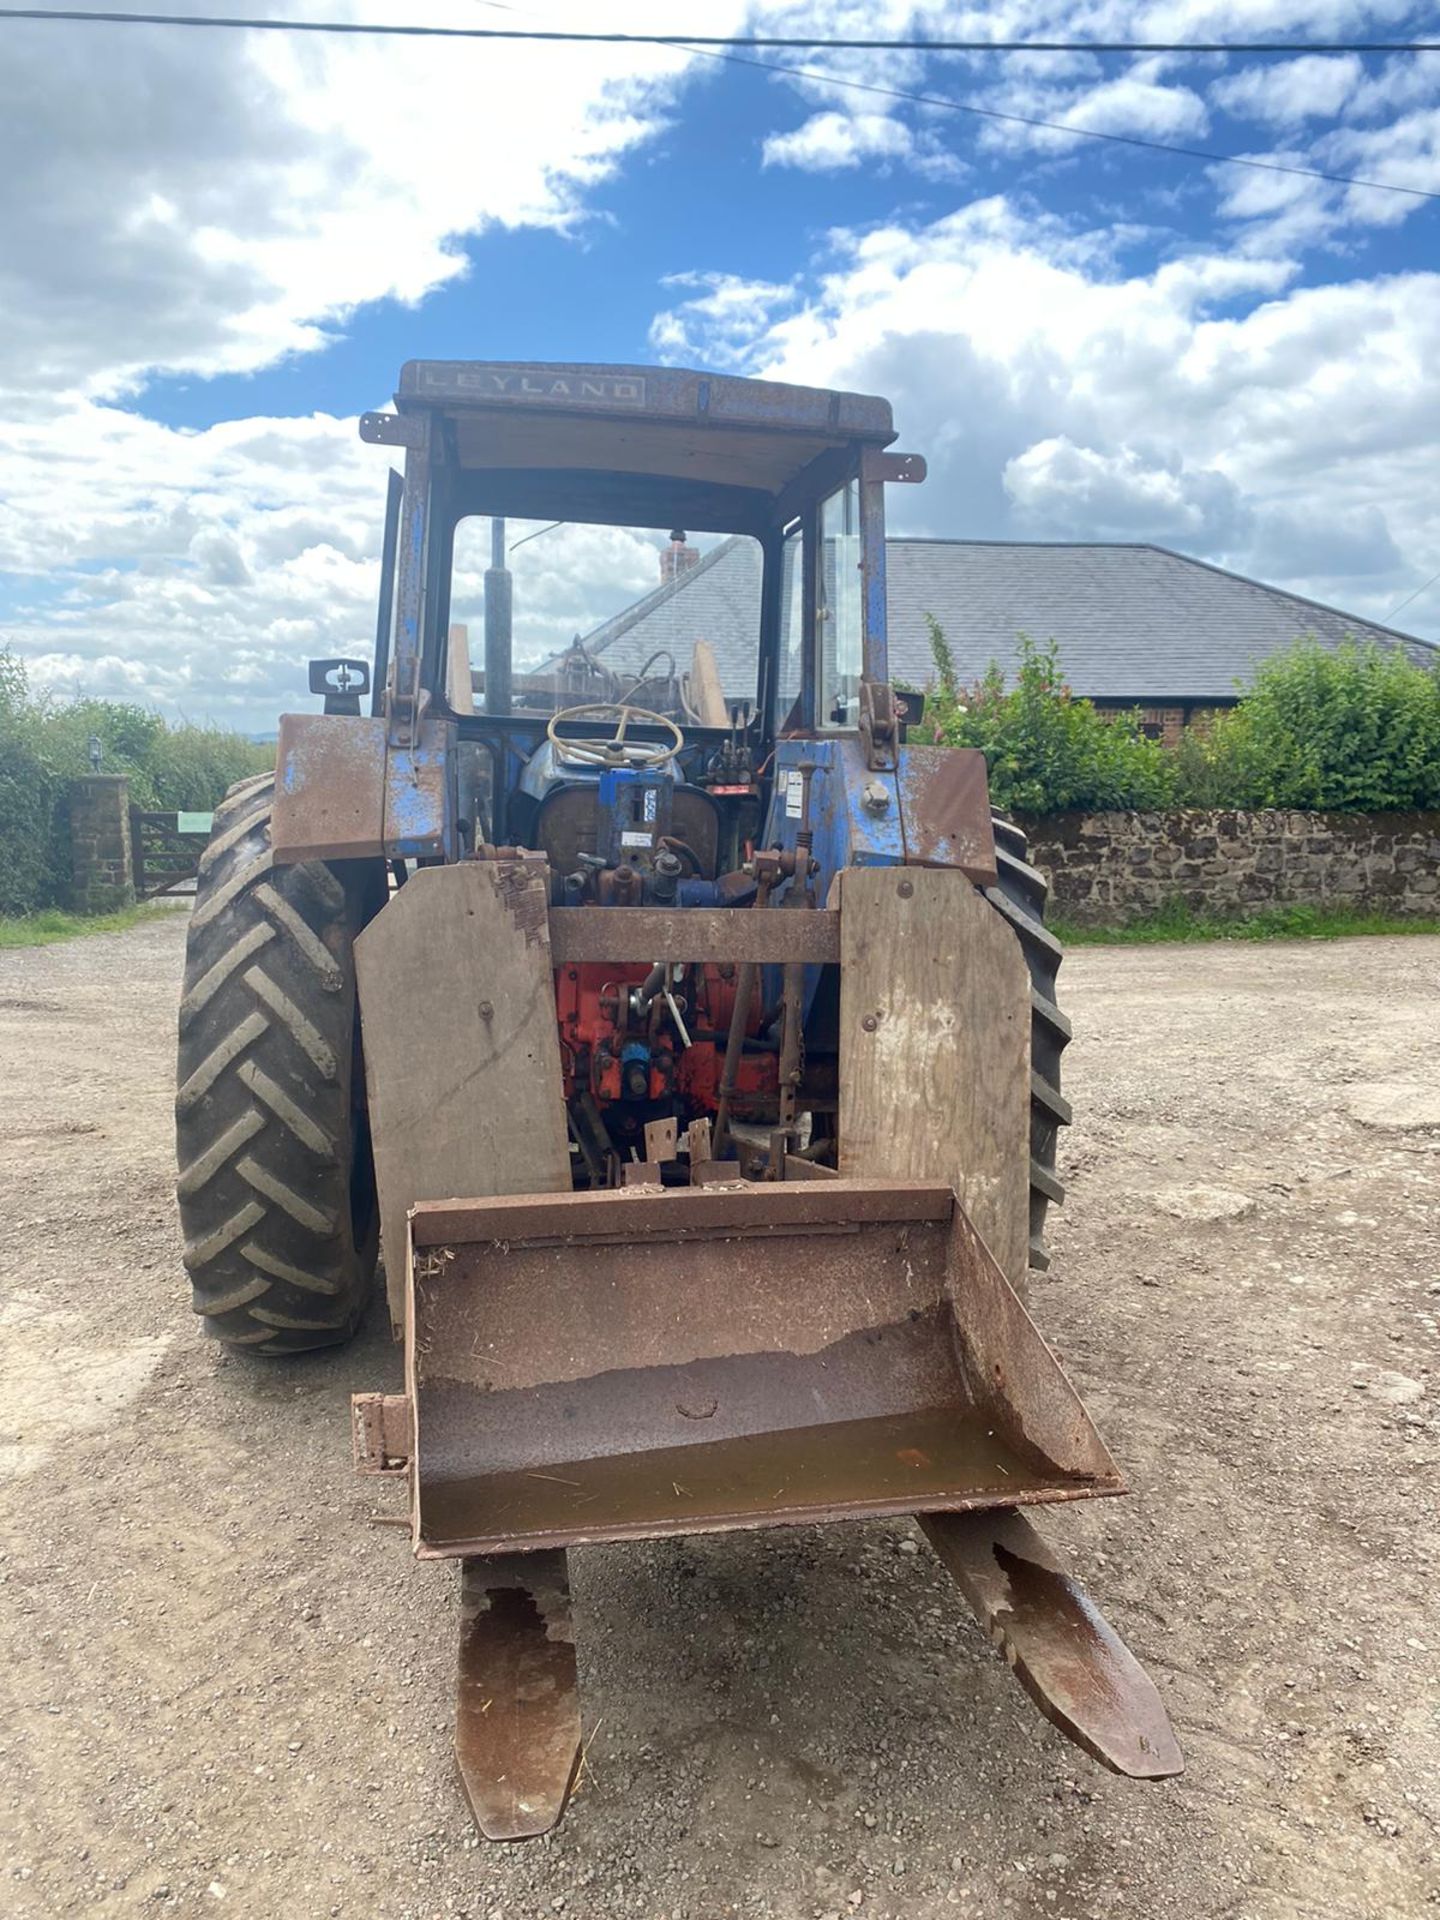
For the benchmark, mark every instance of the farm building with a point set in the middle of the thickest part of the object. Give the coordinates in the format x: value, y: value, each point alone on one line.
x: 1137, y: 626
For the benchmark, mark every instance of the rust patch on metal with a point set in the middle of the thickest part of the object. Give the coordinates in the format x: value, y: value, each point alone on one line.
x: 835, y: 1333
x: 517, y: 1719
x: 381, y: 1431
x: 329, y: 788
x: 577, y: 1218
x: 579, y: 935
x: 945, y: 811
x: 1058, y: 1644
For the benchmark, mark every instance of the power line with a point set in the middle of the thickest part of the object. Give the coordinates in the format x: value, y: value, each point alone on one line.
x: 1400, y: 605
x: 1058, y: 126
x: 709, y: 47
x: 775, y: 42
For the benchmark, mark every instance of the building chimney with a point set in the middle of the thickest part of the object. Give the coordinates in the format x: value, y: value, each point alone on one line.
x: 677, y: 558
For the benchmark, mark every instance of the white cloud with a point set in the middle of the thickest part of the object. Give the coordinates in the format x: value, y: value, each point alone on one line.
x: 1407, y: 80
x: 1279, y: 211
x: 192, y: 569
x: 1209, y: 402
x: 209, y: 201
x: 205, y: 203
x: 833, y: 140
x: 720, y: 320
x: 1287, y: 93
x: 1056, y: 487
x: 1136, y: 103
x: 836, y: 142
x: 1164, y: 98
x: 199, y: 202
x: 250, y: 549
x: 1405, y: 153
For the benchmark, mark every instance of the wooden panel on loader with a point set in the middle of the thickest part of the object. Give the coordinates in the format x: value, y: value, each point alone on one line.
x: 935, y: 1047
x: 462, y: 1053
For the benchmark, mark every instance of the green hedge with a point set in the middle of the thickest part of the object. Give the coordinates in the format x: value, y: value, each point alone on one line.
x: 1340, y: 729
x: 1337, y: 729
x: 44, y: 744
x: 1047, y: 752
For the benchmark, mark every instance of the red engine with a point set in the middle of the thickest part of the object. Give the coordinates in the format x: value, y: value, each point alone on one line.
x: 633, y: 1037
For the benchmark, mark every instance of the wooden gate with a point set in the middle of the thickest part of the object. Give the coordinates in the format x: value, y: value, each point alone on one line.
x: 165, y: 850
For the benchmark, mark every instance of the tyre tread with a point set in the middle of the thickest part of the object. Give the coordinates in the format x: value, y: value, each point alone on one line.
x: 1020, y: 896
x: 264, y: 1122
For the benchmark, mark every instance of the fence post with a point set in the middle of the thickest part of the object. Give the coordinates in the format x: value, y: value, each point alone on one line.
x: 102, y: 875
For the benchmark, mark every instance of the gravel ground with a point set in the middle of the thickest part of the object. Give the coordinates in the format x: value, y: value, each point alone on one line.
x: 224, y: 1691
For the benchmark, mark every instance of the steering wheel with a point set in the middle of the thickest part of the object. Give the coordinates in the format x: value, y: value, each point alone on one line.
x: 617, y: 751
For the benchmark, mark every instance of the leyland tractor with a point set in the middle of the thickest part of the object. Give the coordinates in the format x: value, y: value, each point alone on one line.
x: 682, y: 1029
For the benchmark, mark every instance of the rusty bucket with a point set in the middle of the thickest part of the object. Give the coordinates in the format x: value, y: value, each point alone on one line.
x: 646, y: 1361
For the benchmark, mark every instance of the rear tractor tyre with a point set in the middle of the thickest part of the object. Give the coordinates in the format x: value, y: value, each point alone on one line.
x: 276, y: 1184
x: 1020, y: 898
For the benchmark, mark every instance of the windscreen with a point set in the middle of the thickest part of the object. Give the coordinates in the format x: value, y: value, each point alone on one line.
x: 665, y: 620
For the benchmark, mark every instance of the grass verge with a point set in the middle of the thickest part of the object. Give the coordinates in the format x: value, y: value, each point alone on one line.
x: 45, y: 928
x: 1180, y: 923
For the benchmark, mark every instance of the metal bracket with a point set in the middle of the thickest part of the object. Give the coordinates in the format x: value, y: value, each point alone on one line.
x: 902, y: 469
x: 392, y: 429
x: 382, y: 1431
x: 879, y: 732
x: 405, y: 705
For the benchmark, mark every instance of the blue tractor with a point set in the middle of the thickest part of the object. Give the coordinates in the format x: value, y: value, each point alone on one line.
x: 682, y: 1025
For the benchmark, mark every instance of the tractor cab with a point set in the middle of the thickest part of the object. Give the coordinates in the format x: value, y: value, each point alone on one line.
x: 783, y: 489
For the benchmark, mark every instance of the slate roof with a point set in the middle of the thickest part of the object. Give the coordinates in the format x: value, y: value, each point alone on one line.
x: 1132, y: 622
x: 718, y: 599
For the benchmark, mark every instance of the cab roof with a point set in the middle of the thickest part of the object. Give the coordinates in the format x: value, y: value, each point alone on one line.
x: 639, y: 445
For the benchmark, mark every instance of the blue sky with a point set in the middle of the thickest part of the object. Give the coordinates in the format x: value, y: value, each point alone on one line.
x: 233, y: 242
x: 700, y: 197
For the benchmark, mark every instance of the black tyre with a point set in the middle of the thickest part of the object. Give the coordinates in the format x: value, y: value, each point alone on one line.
x: 1020, y: 897
x: 276, y: 1184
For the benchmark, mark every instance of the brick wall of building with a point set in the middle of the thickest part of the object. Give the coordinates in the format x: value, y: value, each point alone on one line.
x: 1165, y: 722
x: 102, y: 878
x: 676, y: 559
x: 1109, y: 868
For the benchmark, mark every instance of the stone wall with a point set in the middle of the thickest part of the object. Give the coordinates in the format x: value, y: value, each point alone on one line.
x: 1106, y: 869
x: 102, y: 878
